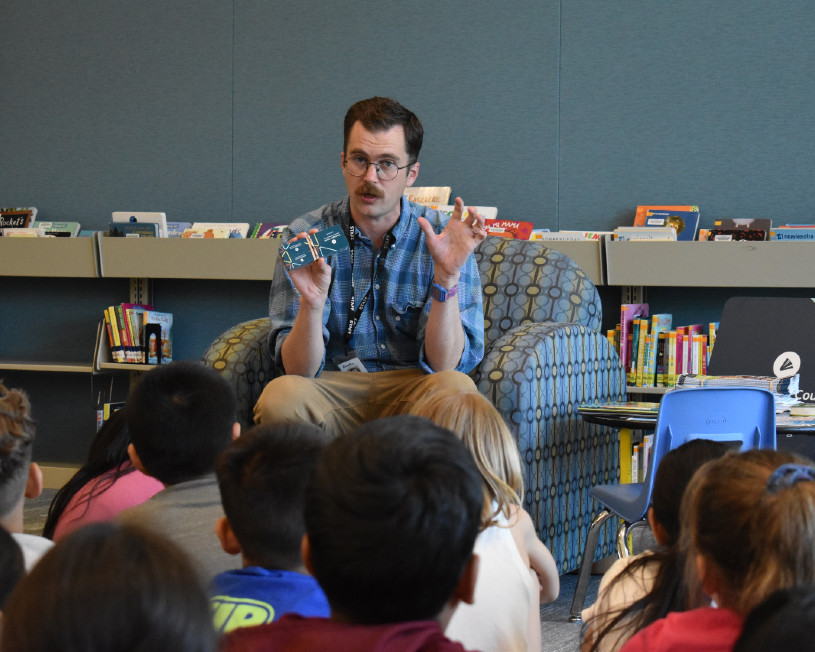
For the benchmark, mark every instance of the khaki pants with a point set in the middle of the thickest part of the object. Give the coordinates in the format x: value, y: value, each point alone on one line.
x: 339, y: 401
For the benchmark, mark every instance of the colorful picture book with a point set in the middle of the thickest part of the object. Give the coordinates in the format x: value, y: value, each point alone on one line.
x: 133, y: 230
x: 233, y: 229
x: 128, y: 325
x: 684, y: 223
x: 268, y: 230
x: 737, y: 229
x: 509, y: 229
x: 17, y: 217
x: 58, y: 229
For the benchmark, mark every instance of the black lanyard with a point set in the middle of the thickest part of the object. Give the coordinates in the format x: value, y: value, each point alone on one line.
x: 354, y: 315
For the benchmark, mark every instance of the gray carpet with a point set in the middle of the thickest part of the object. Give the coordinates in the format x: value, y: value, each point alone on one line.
x: 558, y: 634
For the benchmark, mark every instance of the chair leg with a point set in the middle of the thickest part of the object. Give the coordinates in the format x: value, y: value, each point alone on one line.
x: 585, y: 566
x: 622, y: 540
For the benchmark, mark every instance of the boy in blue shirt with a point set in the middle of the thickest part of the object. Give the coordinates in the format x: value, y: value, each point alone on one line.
x: 262, y: 478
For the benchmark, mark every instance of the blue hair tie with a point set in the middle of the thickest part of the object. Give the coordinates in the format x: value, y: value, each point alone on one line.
x: 787, y: 475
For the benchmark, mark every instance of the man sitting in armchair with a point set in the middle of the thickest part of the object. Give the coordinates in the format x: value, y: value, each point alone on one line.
x: 403, y: 304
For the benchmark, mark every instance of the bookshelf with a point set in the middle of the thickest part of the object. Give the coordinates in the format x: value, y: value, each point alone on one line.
x: 737, y: 264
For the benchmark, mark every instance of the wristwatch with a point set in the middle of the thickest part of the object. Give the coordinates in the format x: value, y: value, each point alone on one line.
x: 440, y: 293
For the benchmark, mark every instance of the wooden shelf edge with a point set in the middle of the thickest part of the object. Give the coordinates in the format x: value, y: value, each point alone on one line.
x: 62, y: 367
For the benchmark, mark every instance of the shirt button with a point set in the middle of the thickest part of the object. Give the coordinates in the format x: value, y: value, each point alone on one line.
x: 381, y: 346
x: 378, y: 318
x: 398, y: 318
x: 377, y: 286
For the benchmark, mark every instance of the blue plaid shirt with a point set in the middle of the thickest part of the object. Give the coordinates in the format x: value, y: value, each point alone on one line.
x: 391, y: 330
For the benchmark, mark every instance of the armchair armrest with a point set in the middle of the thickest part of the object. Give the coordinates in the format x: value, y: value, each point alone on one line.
x: 537, y: 375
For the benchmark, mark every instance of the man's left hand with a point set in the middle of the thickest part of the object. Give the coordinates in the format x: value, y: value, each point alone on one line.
x: 451, y: 248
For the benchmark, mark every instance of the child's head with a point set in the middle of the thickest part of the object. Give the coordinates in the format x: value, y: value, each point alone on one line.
x: 181, y: 416
x: 748, y: 520
x: 262, y: 476
x: 782, y: 622
x: 109, y: 587
x: 392, y: 512
x: 16, y: 448
x: 485, y: 433
x: 674, y: 472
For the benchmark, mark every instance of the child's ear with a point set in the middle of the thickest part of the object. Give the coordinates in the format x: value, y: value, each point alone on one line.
x: 229, y: 542
x: 708, y: 577
x: 305, y: 553
x: 33, y: 485
x: 660, y: 533
x: 465, y: 589
x: 135, y: 460
x: 236, y: 430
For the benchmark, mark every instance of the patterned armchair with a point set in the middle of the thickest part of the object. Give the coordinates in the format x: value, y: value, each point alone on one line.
x: 544, y: 357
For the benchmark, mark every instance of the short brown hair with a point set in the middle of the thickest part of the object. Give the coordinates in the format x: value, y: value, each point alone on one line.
x: 382, y: 113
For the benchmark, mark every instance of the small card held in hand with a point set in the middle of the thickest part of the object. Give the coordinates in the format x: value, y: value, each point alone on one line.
x: 318, y: 245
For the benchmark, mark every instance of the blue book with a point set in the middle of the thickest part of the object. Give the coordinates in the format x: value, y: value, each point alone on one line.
x: 685, y: 222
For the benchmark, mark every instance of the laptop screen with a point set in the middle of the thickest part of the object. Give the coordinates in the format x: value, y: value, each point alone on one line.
x: 767, y: 336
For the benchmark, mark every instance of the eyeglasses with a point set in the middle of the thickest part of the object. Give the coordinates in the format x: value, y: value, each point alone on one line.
x: 386, y: 170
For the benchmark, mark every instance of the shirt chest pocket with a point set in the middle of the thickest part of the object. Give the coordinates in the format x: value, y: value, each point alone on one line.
x: 405, y: 311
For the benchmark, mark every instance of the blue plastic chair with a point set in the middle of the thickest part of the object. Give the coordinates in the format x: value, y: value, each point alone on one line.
x: 737, y: 415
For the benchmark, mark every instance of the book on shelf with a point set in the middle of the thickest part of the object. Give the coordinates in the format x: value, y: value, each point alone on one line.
x: 105, y: 410
x: 545, y: 234
x: 22, y: 232
x: 117, y: 353
x: 432, y: 196
x: 684, y: 223
x: 58, y: 229
x: 175, y: 229
x: 133, y: 230
x: 233, y: 229
x: 641, y: 214
x: 268, y: 230
x: 724, y: 230
x: 488, y: 212
x: 632, y: 233
x: 612, y: 408
x: 628, y: 313
x: 509, y: 229
x: 131, y: 217
x: 134, y: 320
x: 793, y: 233
x: 158, y: 334
x: 207, y: 233
x: 17, y: 217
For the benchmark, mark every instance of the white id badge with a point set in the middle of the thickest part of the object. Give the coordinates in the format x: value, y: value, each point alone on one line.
x: 353, y: 364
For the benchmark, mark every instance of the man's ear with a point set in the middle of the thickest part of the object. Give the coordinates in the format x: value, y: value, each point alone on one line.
x: 33, y: 485
x: 135, y: 460
x: 305, y: 553
x: 229, y: 542
x: 236, y: 430
x: 413, y: 172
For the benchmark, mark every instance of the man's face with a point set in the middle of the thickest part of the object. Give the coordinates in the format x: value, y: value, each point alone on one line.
x: 373, y: 198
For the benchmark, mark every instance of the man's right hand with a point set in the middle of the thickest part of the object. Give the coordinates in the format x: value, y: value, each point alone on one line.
x: 312, y: 281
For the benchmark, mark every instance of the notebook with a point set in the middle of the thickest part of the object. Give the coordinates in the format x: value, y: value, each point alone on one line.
x: 767, y: 336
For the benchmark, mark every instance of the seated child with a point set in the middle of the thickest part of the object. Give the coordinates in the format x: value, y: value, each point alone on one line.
x: 20, y: 478
x: 784, y: 621
x: 392, y: 512
x: 516, y: 572
x: 638, y: 590
x: 106, y: 484
x: 181, y: 415
x: 262, y: 477
x: 109, y: 588
x: 747, y: 520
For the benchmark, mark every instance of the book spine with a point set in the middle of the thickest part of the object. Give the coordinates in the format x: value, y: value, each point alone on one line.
x: 671, y: 363
x: 625, y: 455
x: 123, y: 334
x: 117, y: 352
x: 659, y: 380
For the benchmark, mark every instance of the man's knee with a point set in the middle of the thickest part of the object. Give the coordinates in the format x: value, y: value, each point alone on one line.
x: 451, y: 380
x: 283, y: 399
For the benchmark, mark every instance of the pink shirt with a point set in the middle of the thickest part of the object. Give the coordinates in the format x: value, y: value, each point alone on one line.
x: 127, y: 491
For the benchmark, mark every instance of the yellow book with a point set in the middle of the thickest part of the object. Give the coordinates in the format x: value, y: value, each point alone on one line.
x: 625, y: 455
x: 117, y: 353
x: 670, y: 347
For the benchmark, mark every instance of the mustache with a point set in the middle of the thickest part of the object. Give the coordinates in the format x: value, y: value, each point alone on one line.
x: 371, y: 189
